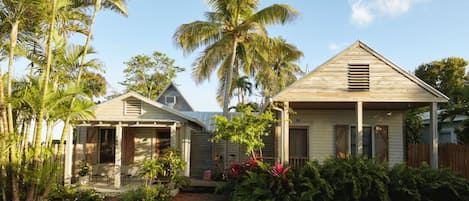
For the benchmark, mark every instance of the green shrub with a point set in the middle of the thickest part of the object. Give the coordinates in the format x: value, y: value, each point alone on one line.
x: 356, y: 178
x: 63, y: 193
x: 264, y: 183
x: 158, y: 192
x: 309, y: 185
x: 425, y: 183
x: 404, y: 183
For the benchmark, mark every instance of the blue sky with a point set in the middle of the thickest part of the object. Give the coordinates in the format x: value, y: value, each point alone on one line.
x: 409, y: 32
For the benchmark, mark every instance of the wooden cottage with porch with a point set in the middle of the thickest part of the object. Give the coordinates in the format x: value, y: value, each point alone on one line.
x: 127, y: 130
x: 354, y: 103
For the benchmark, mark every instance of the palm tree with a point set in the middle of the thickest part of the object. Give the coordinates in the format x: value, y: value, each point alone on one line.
x: 230, y: 29
x: 243, y: 87
x: 279, y: 69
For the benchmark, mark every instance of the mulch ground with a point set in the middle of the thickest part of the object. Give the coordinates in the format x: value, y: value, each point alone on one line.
x: 183, y: 196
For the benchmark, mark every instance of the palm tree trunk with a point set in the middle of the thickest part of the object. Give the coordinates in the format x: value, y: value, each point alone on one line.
x: 229, y: 79
x: 97, y: 7
x: 65, y: 133
x: 226, y: 96
x: 9, y: 130
x: 13, y: 39
x: 45, y: 85
x: 49, y: 129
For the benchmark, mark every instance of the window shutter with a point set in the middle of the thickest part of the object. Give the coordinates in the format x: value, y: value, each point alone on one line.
x: 341, y: 141
x: 91, y: 146
x: 133, y: 107
x: 381, y: 143
x: 358, y: 77
x: 129, y: 146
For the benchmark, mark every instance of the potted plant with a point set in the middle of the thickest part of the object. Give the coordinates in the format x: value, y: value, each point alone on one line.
x: 84, y: 172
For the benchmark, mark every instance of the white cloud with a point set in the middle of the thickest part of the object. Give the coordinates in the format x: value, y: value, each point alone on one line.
x: 361, y: 14
x: 336, y: 46
x: 364, y: 12
x: 333, y: 46
x: 393, y: 7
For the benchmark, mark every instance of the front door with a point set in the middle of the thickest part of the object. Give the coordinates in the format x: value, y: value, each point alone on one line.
x: 298, y: 146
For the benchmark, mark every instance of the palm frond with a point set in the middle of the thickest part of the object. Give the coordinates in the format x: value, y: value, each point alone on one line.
x: 191, y: 36
x: 210, y: 59
x: 274, y: 14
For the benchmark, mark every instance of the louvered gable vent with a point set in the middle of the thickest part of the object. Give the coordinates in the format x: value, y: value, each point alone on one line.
x: 133, y: 107
x: 359, y: 77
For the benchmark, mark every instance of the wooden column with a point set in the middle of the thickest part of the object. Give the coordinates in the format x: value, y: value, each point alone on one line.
x: 186, y: 149
x: 118, y: 155
x: 68, y: 158
x: 434, y: 135
x: 173, y: 138
x: 286, y: 135
x: 359, y: 137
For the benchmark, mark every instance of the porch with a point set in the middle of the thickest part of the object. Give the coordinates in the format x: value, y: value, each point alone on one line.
x: 114, y: 149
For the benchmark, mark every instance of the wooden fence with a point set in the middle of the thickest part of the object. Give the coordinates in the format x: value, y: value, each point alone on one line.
x: 452, y: 156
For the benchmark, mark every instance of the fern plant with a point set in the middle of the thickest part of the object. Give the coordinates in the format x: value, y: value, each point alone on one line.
x: 356, y: 179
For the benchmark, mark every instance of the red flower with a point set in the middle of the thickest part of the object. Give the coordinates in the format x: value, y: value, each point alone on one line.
x: 252, y: 162
x: 279, y: 170
x: 235, y: 169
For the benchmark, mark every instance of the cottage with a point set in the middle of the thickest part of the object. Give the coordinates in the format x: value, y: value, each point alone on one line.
x: 354, y: 103
x: 127, y: 130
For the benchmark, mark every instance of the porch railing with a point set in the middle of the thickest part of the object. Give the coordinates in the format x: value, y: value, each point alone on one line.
x: 297, y: 161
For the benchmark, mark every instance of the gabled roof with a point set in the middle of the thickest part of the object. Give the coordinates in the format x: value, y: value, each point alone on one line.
x: 156, y: 105
x: 171, y: 84
x: 314, y: 83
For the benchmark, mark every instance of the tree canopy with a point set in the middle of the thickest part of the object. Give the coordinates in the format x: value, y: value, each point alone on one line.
x: 235, y: 40
x: 149, y: 75
x: 449, y: 75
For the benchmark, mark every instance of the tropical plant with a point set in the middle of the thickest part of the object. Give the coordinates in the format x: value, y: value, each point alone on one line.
x: 167, y: 166
x: 309, y: 185
x: 246, y: 128
x: 158, y: 192
x: 358, y: 179
x: 60, y: 193
x: 231, y: 34
x: 413, y: 125
x: 151, y: 169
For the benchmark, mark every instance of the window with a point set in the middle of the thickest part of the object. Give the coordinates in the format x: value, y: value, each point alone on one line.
x: 375, y: 142
x: 107, y: 145
x: 170, y: 100
x: 163, y: 141
x: 366, y: 140
x: 358, y: 77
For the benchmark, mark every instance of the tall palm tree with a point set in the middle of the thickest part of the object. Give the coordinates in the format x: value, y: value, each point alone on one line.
x: 230, y: 28
x: 114, y: 5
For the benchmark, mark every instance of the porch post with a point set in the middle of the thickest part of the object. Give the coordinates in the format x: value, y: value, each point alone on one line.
x: 68, y: 158
x: 186, y: 146
x: 173, y: 138
x: 118, y: 159
x: 286, y: 135
x: 359, y: 137
x: 434, y: 135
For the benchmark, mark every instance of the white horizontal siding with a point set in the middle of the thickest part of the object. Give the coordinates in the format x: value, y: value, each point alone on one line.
x: 321, y: 130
